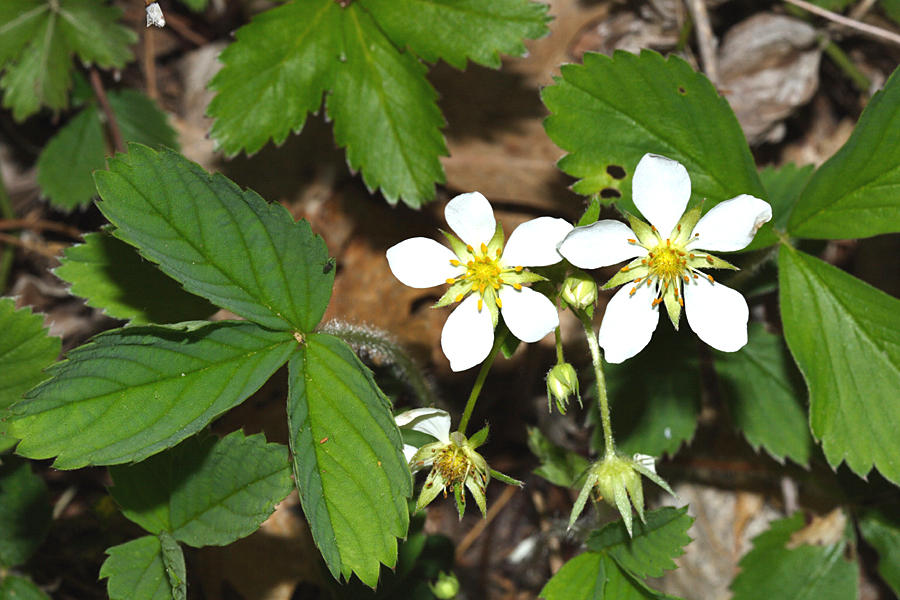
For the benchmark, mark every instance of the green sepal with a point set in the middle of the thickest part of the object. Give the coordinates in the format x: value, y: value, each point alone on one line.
x: 460, y: 288
x: 479, y: 437
x: 490, y: 303
x: 496, y: 242
x: 643, y: 231
x: 630, y: 272
x: 460, y: 249
x: 708, y: 261
x: 477, y: 490
x: 591, y: 213
x: 673, y: 307
x: 687, y: 222
x: 522, y: 277
x: 459, y: 495
x: 506, y: 478
x: 434, y: 483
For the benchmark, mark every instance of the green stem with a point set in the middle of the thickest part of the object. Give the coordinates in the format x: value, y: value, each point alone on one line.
x: 479, y: 381
x: 560, y: 359
x: 602, y: 400
x: 6, y: 212
x: 845, y: 64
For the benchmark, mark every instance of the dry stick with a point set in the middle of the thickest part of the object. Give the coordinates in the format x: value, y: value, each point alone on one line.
x: 481, y: 525
x: 40, y: 225
x: 871, y: 30
x: 14, y: 241
x: 111, y: 123
x: 705, y: 40
x: 150, y: 62
x: 181, y: 26
x: 860, y: 10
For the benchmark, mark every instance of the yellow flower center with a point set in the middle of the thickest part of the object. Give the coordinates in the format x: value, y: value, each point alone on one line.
x: 666, y: 263
x: 452, y: 464
x: 484, y: 273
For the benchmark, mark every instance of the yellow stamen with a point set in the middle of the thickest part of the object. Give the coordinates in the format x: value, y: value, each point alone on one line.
x: 710, y: 277
x: 517, y: 286
x: 624, y: 269
x: 470, y: 248
x: 499, y: 303
x: 451, y: 281
x: 483, y: 248
x: 632, y: 241
x: 480, y: 304
x: 455, y: 262
x: 519, y: 269
x: 633, y: 290
x: 459, y: 298
x: 656, y: 301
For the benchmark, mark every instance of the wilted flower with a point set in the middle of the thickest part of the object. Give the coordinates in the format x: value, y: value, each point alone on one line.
x: 486, y: 277
x: 562, y: 384
x: 668, y: 261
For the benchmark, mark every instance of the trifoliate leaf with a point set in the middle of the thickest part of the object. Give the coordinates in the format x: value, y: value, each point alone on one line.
x: 112, y: 276
x: 609, y: 112
x: 351, y: 474
x: 765, y: 395
x: 856, y: 193
x: 39, y: 40
x: 773, y: 570
x: 581, y: 578
x: 845, y: 336
x: 24, y: 512
x: 137, y: 571
x: 224, y: 244
x: 25, y: 351
x: 80, y: 147
x: 205, y: 491
x: 883, y: 533
x: 460, y: 30
x: 20, y: 588
x: 784, y: 186
x: 649, y: 552
x: 133, y: 392
x: 385, y: 113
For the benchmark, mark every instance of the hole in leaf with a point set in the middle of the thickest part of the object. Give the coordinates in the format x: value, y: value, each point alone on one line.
x: 681, y: 90
x: 610, y: 193
x: 616, y: 172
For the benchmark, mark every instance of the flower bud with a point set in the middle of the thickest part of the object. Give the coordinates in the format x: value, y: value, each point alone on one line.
x: 562, y: 383
x: 579, y: 290
x: 446, y: 587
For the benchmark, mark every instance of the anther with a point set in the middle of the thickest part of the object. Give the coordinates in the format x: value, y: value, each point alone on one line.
x: 499, y: 252
x: 631, y: 241
x: 656, y: 301
x: 470, y: 248
x: 459, y: 298
x: 710, y: 277
x: 633, y: 290
x: 483, y: 248
x: 624, y: 269
x: 709, y: 259
x: 480, y: 304
x: 499, y: 303
x: 451, y: 281
x: 496, y: 285
x: 679, y: 227
x: 455, y: 262
x: 653, y: 227
x: 519, y: 269
x: 517, y: 286
x: 681, y: 302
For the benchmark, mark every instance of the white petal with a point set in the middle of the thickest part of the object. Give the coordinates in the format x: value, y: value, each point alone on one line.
x: 468, y: 335
x: 629, y: 323
x: 717, y: 314
x: 422, y: 263
x: 534, y: 242
x: 661, y: 189
x: 471, y: 217
x: 731, y: 225
x: 409, y: 451
x: 600, y: 244
x: 529, y: 315
x: 433, y: 421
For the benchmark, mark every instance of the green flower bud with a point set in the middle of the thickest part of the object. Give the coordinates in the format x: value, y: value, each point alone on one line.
x: 579, y: 290
x: 446, y: 587
x: 562, y: 383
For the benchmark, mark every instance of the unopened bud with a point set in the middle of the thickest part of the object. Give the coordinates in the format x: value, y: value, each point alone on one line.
x: 562, y: 384
x: 579, y: 290
x: 446, y: 587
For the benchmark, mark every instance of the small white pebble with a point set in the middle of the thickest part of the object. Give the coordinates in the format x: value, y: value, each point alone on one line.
x: 155, y: 16
x: 667, y: 432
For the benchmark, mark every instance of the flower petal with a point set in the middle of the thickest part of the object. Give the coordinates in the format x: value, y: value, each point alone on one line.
x: 422, y: 263
x: 529, y: 315
x: 731, y: 225
x: 471, y: 217
x: 717, y: 314
x: 661, y: 189
x: 433, y: 421
x: 629, y: 323
x: 600, y: 244
x: 468, y: 335
x: 534, y: 242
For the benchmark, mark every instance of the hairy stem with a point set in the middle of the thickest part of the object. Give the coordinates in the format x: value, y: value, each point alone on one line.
x: 479, y: 381
x: 602, y: 400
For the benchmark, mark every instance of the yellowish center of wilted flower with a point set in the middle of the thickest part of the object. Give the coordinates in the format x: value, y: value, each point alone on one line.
x: 453, y: 465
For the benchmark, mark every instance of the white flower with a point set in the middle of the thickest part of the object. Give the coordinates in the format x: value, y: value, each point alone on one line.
x: 484, y: 276
x: 433, y: 422
x: 667, y: 258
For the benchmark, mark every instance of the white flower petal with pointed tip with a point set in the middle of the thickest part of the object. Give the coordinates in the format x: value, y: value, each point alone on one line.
x: 668, y: 263
x: 484, y: 276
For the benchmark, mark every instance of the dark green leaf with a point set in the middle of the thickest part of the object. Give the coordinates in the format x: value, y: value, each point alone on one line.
x: 19, y: 588
x: 196, y: 5
x: 883, y: 533
x: 892, y: 9
x: 771, y: 570
x: 581, y: 578
x: 457, y: 30
x: 856, y: 193
x: 385, y: 113
x: 621, y: 585
x: 205, y: 491
x: 173, y: 561
x: 112, y: 276
x: 765, y: 395
x: 655, y: 543
x: 25, y: 351
x: 136, y: 571
x: 784, y: 186
x: 845, y: 336
x: 24, y: 512
x: 558, y: 466
x: 227, y: 245
x: 133, y: 392
x: 611, y: 111
x: 351, y: 474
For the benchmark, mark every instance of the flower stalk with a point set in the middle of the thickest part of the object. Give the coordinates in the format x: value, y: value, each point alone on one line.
x: 602, y: 399
x: 479, y: 381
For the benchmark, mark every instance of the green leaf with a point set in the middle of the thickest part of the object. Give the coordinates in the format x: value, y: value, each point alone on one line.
x: 79, y: 148
x: 771, y: 570
x: 224, y: 244
x: 558, y: 466
x: 20, y: 588
x: 24, y: 512
x: 581, y: 578
x: 892, y: 9
x: 40, y: 38
x: 655, y: 542
x: 173, y: 561
x: 784, y: 186
x: 883, y: 533
x: 205, y: 491
x: 620, y: 585
x: 133, y: 392
x: 655, y: 415
x: 25, y: 351
x: 856, y: 193
x: 460, y: 30
x: 845, y: 336
x: 609, y: 112
x: 385, y: 113
x: 351, y: 474
x: 137, y: 571
x: 765, y: 394
x: 280, y: 64
x: 196, y: 5
x: 112, y: 276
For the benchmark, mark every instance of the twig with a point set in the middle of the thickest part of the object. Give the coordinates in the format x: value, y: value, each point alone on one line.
x: 111, y: 123
x: 14, y: 241
x: 150, y: 62
x: 705, y: 40
x: 40, y: 225
x: 847, y: 22
x: 860, y: 10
